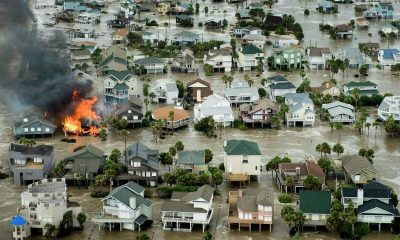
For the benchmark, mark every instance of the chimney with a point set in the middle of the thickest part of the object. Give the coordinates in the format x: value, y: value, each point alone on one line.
x: 132, y: 202
x: 298, y: 173
x: 360, y: 196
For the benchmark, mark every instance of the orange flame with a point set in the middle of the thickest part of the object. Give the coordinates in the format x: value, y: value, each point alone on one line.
x: 84, y: 110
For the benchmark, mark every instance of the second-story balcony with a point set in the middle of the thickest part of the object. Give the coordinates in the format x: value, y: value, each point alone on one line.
x: 186, y: 217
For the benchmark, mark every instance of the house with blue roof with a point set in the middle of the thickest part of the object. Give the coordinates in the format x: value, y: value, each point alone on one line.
x: 278, y: 86
x: 379, y: 11
x: 372, y: 202
x: 325, y: 6
x: 21, y: 228
x: 126, y: 207
x: 389, y: 57
x: 301, y: 109
x: 185, y: 38
x: 74, y: 5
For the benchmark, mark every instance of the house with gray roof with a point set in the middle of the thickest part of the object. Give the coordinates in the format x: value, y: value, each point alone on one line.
x: 192, y: 161
x: 340, y: 112
x: 216, y: 106
x: 120, y: 86
x: 367, y: 88
x: 240, y: 92
x: 132, y: 111
x: 390, y: 106
x: 142, y: 164
x: 185, y: 38
x: 150, y: 64
x: 316, y: 207
x: 126, y: 207
x: 115, y: 58
x: 372, y: 202
x: 242, y: 160
x: 354, y: 56
x: 165, y: 91
x: 358, y: 170
x: 317, y: 57
x: 84, y: 164
x: 33, y: 124
x: 149, y: 37
x: 278, y: 86
x: 301, y: 109
x: 30, y: 163
x: 186, y: 209
x: 185, y: 62
x: 251, y: 206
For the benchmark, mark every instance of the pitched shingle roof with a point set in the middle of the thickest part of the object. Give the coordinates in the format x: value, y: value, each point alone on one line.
x: 43, y: 150
x: 125, y: 192
x: 355, y: 163
x: 149, y: 60
x: 195, y: 157
x: 374, y: 203
x: 318, y: 202
x: 241, y: 147
x: 251, y: 49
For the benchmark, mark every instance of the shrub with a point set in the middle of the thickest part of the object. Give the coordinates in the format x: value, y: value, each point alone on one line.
x: 306, y: 12
x: 3, y: 175
x: 243, y: 127
x: 217, y: 192
x: 148, y: 193
x: 262, y: 92
x: 166, y: 192
x: 236, y: 123
x: 99, y: 194
x: 285, y: 198
x: 221, y: 167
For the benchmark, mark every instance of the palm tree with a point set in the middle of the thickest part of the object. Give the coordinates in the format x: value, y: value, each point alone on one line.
x: 339, y: 126
x: 270, y: 3
x: 347, y: 63
x: 356, y: 92
x: 152, y: 96
x: 248, y: 80
x: 27, y: 142
x: 124, y: 134
x: 338, y: 149
x: 367, y: 125
x: 225, y: 79
x: 146, y: 103
x: 171, y: 116
x: 318, y: 148
x: 376, y: 124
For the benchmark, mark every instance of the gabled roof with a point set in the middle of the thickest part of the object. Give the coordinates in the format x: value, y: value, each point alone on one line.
x: 251, y: 49
x: 282, y: 85
x: 149, y: 156
x: 337, y: 104
x: 89, y: 148
x: 42, y: 150
x: 318, y: 202
x: 205, y: 192
x: 263, y: 104
x: 187, y: 34
x: 119, y: 75
x: 121, y: 87
x: 344, y: 27
x: 355, y: 163
x: 374, y: 203
x: 241, y: 147
x: 376, y: 190
x: 252, y: 197
x: 149, y: 60
x: 278, y: 78
x: 125, y: 192
x: 198, y: 81
x: 195, y: 157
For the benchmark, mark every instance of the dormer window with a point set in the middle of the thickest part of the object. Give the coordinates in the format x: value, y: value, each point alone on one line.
x: 25, y: 120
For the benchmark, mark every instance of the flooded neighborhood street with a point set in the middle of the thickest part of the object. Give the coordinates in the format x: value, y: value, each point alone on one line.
x: 297, y: 143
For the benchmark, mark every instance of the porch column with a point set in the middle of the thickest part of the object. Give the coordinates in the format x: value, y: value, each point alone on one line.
x: 203, y: 227
x: 120, y: 227
x: 249, y: 227
x: 239, y: 226
x: 109, y: 226
x: 379, y: 227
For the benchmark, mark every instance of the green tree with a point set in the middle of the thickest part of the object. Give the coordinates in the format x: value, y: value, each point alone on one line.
x: 356, y: 93
x: 338, y: 149
x: 27, y: 142
x: 143, y: 236
x: 364, y: 69
x: 134, y: 38
x: 169, y: 178
x: 166, y: 159
x: 206, y: 10
x: 368, y: 154
x: 81, y: 219
x: 339, y: 127
x: 197, y: 8
x: 290, y: 182
x: 51, y: 231
x: 273, y: 164
x: 207, y: 126
x: 325, y: 164
x: 349, y: 216
x: 376, y: 124
x: 208, y: 155
x: 227, y: 79
x: 172, y: 151
x: 171, y: 116
x: 312, y: 183
x: 395, y: 69
x: 115, y: 155
x: 207, y: 236
x: 124, y: 134
x: 179, y: 146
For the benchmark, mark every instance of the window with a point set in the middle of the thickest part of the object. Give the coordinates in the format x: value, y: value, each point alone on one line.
x: 25, y: 120
x: 32, y: 129
x: 256, y: 168
x: 245, y: 159
x: 47, y: 129
x: 39, y: 129
x: 153, y: 174
x: 19, y: 161
x: 26, y: 129
x: 136, y: 164
x: 148, y: 174
x: 129, y: 111
x: 37, y: 160
x: 268, y: 209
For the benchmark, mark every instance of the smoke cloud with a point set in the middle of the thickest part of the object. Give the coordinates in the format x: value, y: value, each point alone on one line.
x: 31, y: 73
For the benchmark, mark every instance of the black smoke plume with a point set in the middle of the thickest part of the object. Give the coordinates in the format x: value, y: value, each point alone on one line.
x: 32, y: 74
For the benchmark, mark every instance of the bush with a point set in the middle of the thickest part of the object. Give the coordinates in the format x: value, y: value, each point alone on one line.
x: 236, y: 123
x: 99, y: 194
x: 221, y: 167
x: 3, y: 175
x: 285, y: 198
x: 243, y: 127
x: 262, y: 92
x: 306, y: 12
x: 148, y: 192
x: 217, y: 192
x: 166, y: 192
